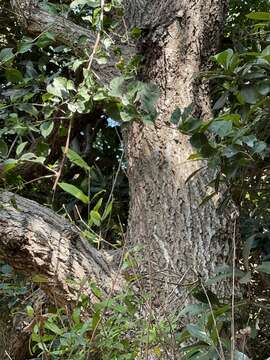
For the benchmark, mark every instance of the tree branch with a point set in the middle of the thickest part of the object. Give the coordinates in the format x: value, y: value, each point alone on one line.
x: 37, y: 242
x: 35, y: 20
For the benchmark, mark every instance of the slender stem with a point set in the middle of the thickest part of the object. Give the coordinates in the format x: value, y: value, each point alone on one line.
x: 233, y: 293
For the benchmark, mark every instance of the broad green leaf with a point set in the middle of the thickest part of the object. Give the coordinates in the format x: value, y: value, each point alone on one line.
x: 221, y: 101
x: 116, y: 86
x: 6, y: 54
x: 221, y: 128
x: 46, y: 128
x: 25, y: 45
x: 190, y: 125
x: 224, y: 58
x: 249, y: 94
x: 230, y: 151
x: 264, y: 267
x: 21, y: 147
x: 58, y: 87
x: 95, y: 217
x: 13, y: 75
x: 53, y: 328
x: 259, y: 147
x: 77, y: 159
x: 198, y: 333
x: 45, y: 39
x: 200, y: 295
x: 262, y: 16
x: 74, y: 191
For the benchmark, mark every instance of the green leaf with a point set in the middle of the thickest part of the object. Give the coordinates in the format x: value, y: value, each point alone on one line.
x: 240, y: 356
x: 230, y: 151
x: 263, y: 88
x: 262, y: 16
x: 76, y: 315
x: 58, y: 87
x: 259, y: 147
x: 249, y: 94
x: 221, y: 101
x: 45, y: 39
x: 3, y: 148
x: 198, y: 140
x: 176, y: 116
x: 264, y: 267
x: 200, y: 295
x: 198, y: 333
x: 53, y: 328
x: 46, y: 128
x: 190, y: 125
x: 6, y: 54
x: 21, y: 147
x: 77, y: 159
x: 224, y: 58
x: 13, y: 75
x: 116, y: 86
x: 98, y: 205
x: 81, y: 3
x: 25, y: 45
x: 74, y: 191
x: 107, y: 211
x: 30, y: 311
x: 9, y: 164
x: 221, y: 128
x: 95, y: 217
x: 147, y: 95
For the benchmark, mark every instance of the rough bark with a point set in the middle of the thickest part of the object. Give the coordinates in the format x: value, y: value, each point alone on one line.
x: 43, y: 245
x: 181, y: 239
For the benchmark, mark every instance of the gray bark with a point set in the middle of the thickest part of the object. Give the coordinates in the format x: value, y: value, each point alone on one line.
x: 43, y: 245
x: 181, y: 240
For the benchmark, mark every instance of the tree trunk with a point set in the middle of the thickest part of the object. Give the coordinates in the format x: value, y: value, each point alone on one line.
x: 182, y: 240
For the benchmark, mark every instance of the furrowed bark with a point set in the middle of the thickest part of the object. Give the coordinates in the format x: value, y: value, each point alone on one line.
x: 182, y: 240
x: 35, y: 21
x: 44, y: 246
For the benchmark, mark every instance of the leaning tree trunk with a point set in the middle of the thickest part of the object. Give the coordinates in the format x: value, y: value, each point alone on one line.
x: 180, y: 240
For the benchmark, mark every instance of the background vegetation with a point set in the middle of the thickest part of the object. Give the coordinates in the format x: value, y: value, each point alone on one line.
x: 61, y: 145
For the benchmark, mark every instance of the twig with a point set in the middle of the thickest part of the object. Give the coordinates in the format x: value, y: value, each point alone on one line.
x: 8, y: 355
x: 59, y: 172
x: 221, y: 355
x: 91, y: 57
x: 233, y: 292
